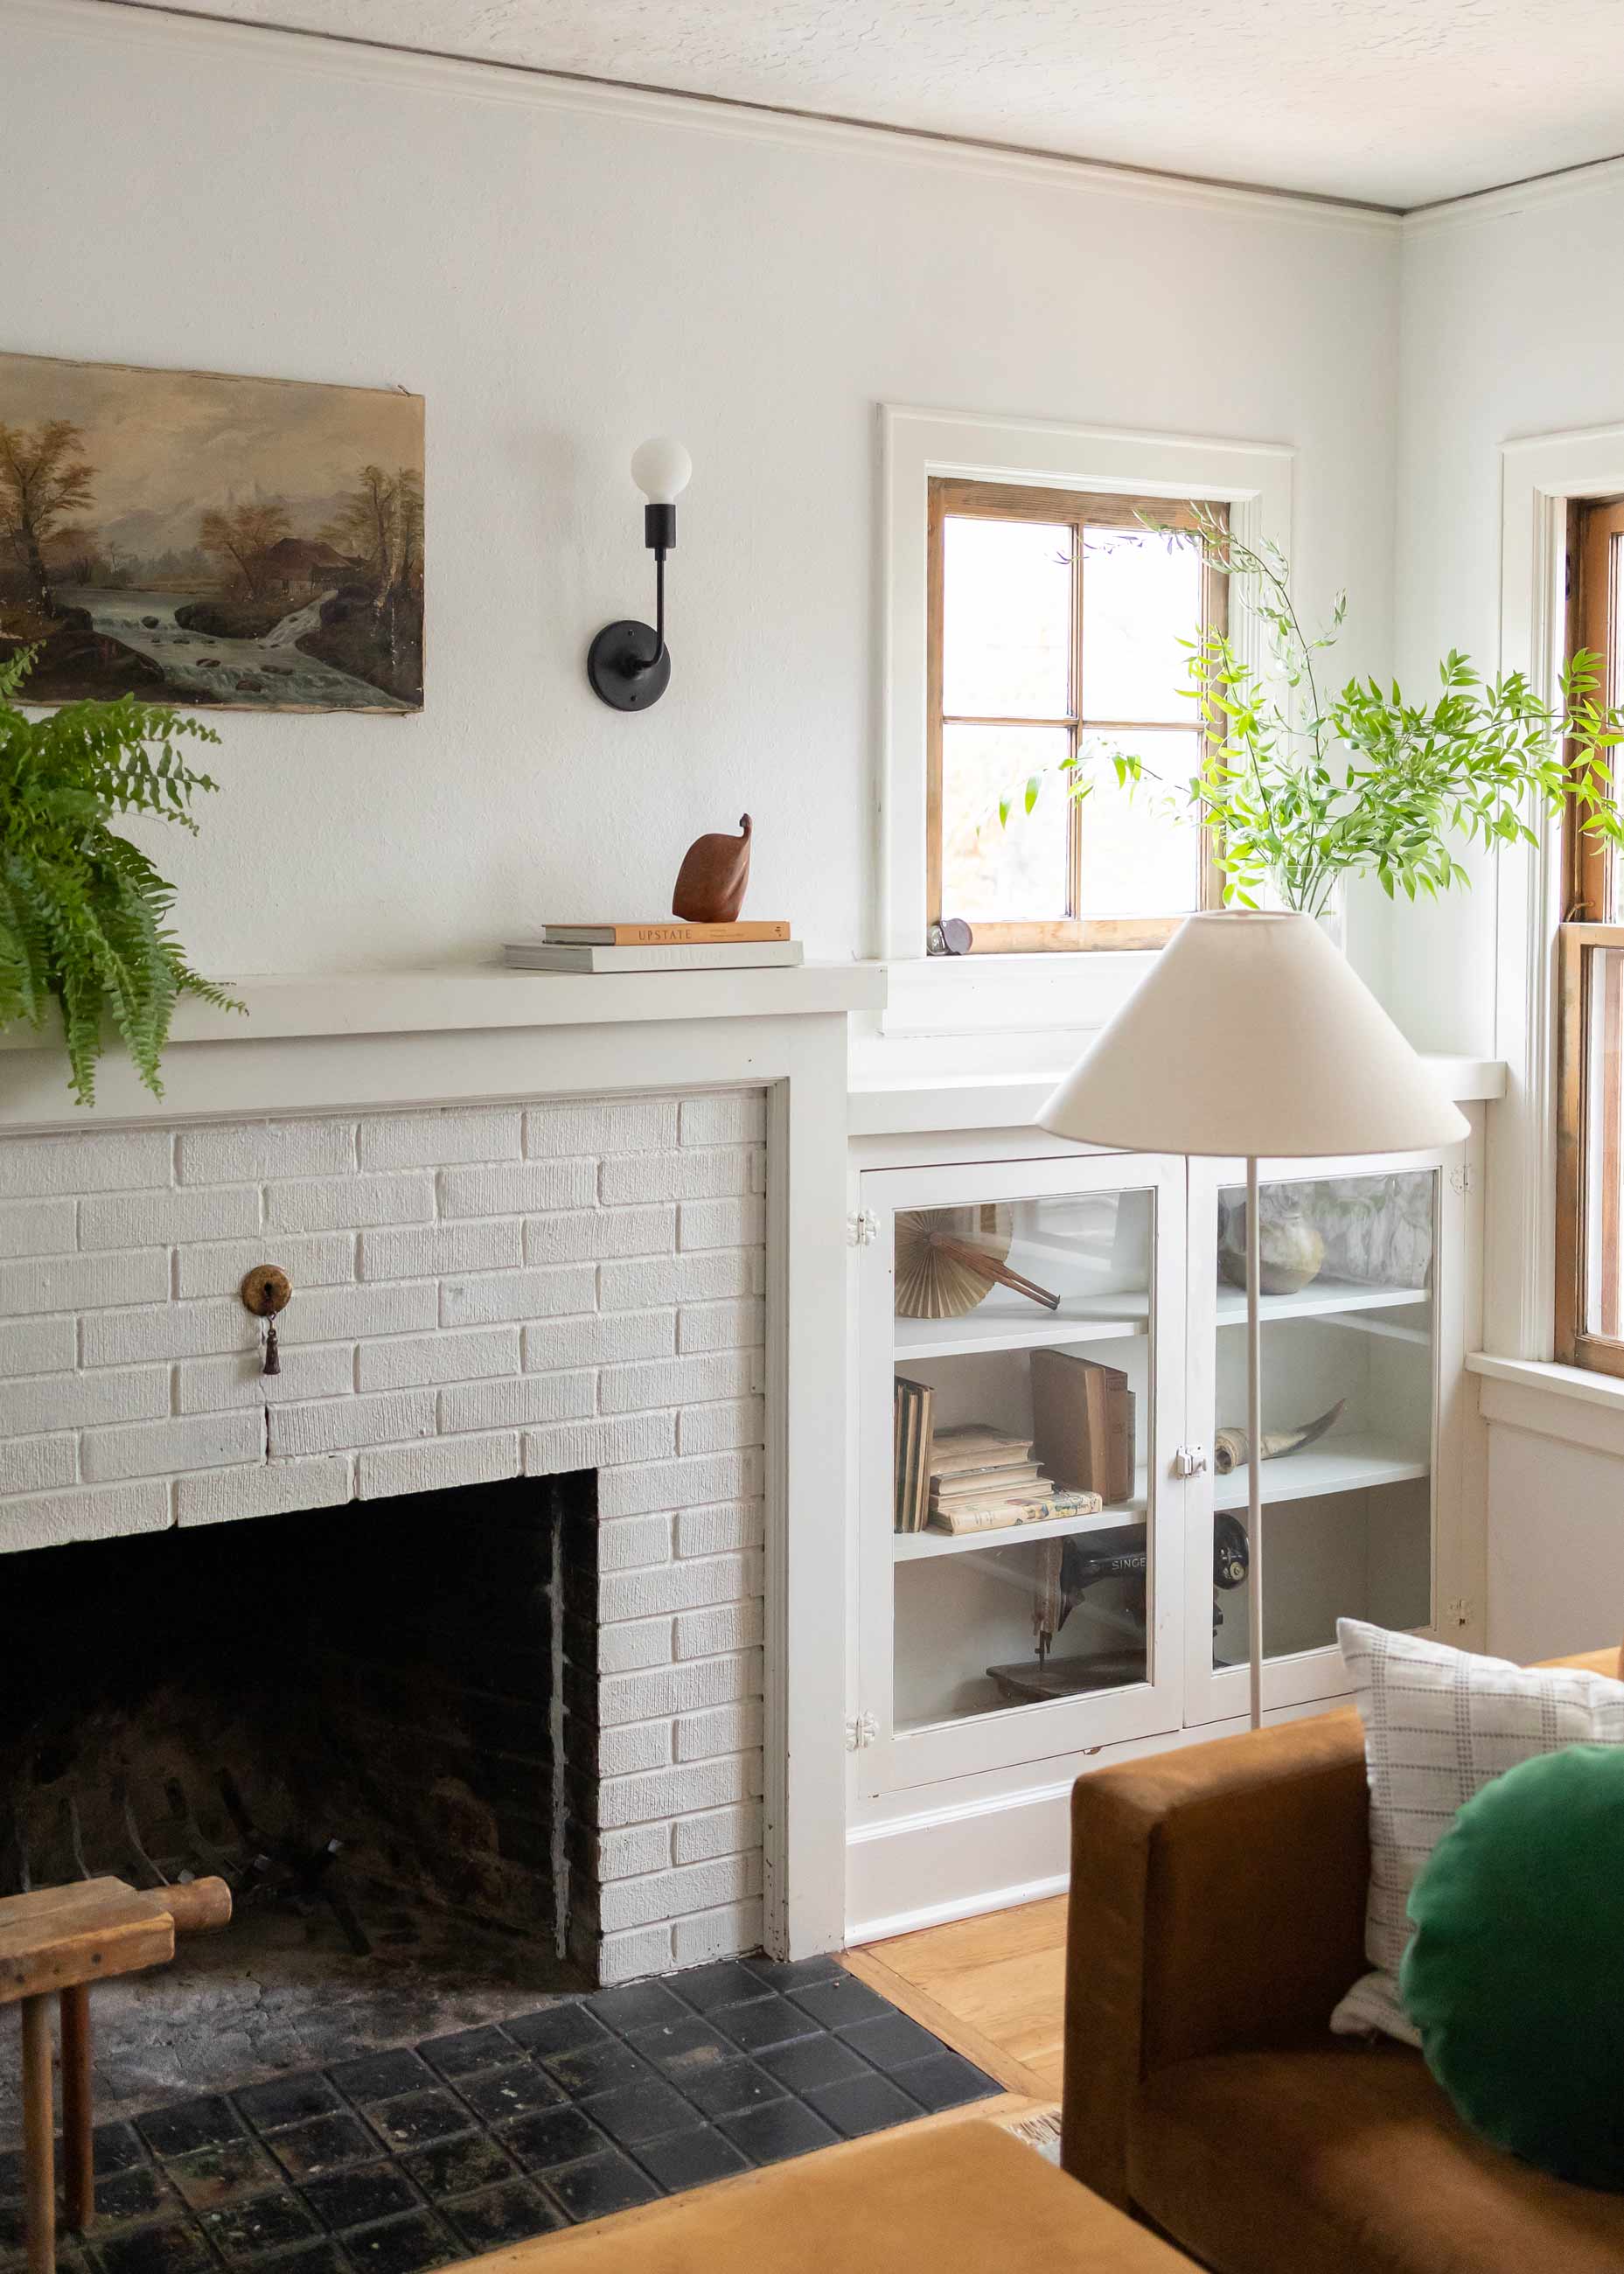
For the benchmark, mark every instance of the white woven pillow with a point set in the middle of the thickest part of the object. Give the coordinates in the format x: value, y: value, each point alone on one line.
x: 1438, y: 1725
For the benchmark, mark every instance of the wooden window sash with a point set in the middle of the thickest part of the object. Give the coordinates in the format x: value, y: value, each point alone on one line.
x: 1076, y: 509
x: 1595, y: 554
x: 1589, y: 1122
x: 1577, y: 1187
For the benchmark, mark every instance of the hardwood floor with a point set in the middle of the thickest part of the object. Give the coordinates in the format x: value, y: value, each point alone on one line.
x: 994, y: 1986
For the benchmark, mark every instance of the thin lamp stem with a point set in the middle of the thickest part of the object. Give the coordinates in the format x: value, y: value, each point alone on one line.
x: 1254, y: 1443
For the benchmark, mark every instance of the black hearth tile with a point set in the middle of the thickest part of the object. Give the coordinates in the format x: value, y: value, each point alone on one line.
x: 835, y: 2005
x: 783, y: 2129
x: 892, y: 2041
x: 682, y: 2049
x: 637, y: 2112
x: 511, y: 2212
x: 691, y: 2159
x: 732, y: 2086
x: 362, y: 2196
x: 638, y: 2005
x: 788, y: 1975
x: 770, y: 2021
x: 417, y: 2118
x: 12, y: 2175
x: 326, y: 2144
x: 945, y: 2080
x: 822, y: 2059
x: 599, y: 2185
x: 171, y: 2246
x: 557, y: 2028
x: 401, y: 2246
x: 557, y: 2135
x: 597, y: 2068
x: 513, y: 2091
x: 287, y: 2100
x: 247, y: 2232
x: 313, y: 2258
x: 139, y: 2193
x: 456, y: 2167
x: 221, y: 2175
x: 379, y: 2076
x: 191, y: 2124
x: 116, y: 2149
x: 467, y: 2053
x: 862, y: 2104
x: 727, y: 1982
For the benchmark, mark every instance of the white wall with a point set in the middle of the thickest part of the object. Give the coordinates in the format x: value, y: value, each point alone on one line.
x: 1508, y: 331
x: 562, y: 273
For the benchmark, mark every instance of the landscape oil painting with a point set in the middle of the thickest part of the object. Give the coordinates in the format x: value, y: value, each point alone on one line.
x: 193, y: 539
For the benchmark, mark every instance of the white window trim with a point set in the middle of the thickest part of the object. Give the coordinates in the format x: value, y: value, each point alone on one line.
x: 1539, y: 477
x: 945, y: 994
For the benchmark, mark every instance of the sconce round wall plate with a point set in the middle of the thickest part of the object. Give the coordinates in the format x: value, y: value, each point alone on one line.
x: 618, y: 665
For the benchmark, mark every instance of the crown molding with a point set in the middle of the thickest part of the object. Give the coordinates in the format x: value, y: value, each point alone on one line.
x: 1573, y: 182
x: 323, y: 55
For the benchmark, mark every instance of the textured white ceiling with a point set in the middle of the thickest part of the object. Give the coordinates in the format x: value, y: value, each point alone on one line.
x: 1397, y: 101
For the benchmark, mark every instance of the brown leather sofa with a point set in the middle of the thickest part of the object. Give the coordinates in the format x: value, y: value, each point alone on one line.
x: 1217, y: 1914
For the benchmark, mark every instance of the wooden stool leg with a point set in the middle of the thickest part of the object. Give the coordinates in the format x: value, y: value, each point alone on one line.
x: 77, y: 2152
x: 39, y: 2175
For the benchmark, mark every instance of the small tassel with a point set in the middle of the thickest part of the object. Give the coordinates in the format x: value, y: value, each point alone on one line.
x: 273, y: 1354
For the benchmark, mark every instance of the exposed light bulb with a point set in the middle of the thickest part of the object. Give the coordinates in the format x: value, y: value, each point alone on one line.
x: 661, y: 469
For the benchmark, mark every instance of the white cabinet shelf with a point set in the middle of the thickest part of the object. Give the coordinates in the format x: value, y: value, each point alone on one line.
x: 1336, y: 1464
x: 991, y: 1330
x: 1321, y: 1299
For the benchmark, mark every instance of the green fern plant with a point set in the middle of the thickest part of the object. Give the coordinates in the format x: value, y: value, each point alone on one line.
x: 83, y: 913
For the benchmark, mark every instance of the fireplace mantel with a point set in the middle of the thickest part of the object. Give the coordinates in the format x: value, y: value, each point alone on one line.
x: 312, y: 1043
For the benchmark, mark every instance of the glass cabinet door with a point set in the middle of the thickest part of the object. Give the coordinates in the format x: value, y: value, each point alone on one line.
x: 1019, y: 1592
x: 1349, y: 1368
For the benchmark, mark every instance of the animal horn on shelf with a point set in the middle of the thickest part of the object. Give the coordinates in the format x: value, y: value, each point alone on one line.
x: 1229, y: 1446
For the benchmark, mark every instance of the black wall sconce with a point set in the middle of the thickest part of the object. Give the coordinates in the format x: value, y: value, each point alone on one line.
x: 629, y: 663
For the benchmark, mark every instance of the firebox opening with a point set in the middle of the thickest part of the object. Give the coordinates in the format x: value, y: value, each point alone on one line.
x: 375, y: 1721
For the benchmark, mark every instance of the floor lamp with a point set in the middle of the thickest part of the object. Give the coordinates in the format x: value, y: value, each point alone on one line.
x: 1251, y: 1035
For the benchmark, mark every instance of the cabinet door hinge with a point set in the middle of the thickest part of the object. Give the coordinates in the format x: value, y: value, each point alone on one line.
x: 1461, y: 1179
x: 863, y: 1229
x: 1459, y: 1611
x: 1190, y: 1461
x: 861, y: 1733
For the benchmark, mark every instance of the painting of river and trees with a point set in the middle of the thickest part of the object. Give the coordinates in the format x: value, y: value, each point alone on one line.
x: 185, y: 538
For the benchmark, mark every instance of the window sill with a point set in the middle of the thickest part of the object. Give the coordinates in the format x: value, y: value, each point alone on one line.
x: 1011, y: 994
x: 1568, y: 1403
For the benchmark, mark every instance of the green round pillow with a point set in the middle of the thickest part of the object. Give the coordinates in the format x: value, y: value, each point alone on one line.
x: 1516, y: 1976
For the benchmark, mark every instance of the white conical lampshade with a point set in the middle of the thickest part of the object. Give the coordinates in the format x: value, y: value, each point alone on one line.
x: 1251, y: 1035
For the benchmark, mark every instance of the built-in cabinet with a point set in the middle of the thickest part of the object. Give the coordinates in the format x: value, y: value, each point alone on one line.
x: 1034, y: 1309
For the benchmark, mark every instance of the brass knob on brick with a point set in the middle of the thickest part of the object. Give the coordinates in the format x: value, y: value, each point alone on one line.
x: 265, y: 1290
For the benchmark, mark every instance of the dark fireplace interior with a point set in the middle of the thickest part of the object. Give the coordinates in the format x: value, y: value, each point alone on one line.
x: 376, y: 1722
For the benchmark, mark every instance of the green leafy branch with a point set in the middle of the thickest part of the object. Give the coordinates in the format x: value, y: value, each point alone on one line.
x: 1300, y: 789
x: 83, y: 912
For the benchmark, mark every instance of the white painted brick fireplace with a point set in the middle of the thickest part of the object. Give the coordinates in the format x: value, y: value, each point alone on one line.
x: 536, y: 1226
x: 482, y: 1293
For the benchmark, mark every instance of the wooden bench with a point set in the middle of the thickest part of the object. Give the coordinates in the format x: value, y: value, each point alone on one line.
x: 960, y: 2197
x: 61, y: 1940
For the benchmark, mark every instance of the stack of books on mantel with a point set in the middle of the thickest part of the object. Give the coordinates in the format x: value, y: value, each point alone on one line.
x: 985, y: 1480
x: 665, y: 945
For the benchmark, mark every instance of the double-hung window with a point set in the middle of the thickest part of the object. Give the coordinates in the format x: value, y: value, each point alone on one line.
x: 1057, y: 629
x: 1589, y: 1208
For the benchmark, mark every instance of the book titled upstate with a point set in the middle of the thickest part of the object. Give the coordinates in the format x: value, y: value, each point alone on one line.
x: 187, y: 537
x: 661, y: 945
